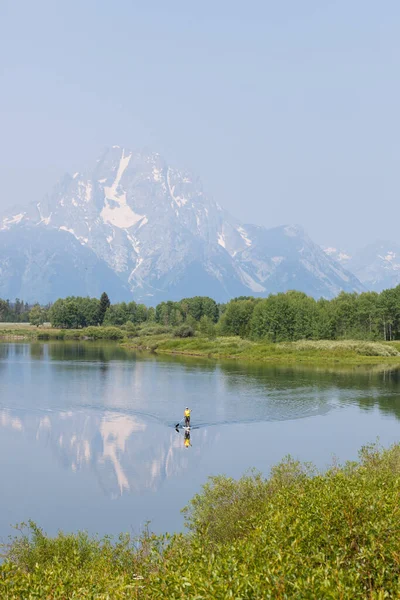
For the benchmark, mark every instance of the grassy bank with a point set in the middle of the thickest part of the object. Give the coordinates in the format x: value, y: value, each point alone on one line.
x: 163, y: 340
x: 299, y: 534
x: 27, y: 332
x: 323, y: 351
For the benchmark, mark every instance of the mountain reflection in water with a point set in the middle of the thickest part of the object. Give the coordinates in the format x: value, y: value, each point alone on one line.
x: 126, y: 453
x: 88, y: 440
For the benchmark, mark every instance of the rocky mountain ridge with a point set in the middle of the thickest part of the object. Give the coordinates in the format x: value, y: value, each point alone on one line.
x: 377, y: 265
x: 159, y: 236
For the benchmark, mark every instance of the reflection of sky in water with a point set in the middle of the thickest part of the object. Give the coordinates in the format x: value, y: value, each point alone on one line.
x: 87, y: 439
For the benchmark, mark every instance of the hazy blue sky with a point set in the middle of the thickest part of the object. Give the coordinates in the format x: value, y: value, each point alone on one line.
x: 288, y: 110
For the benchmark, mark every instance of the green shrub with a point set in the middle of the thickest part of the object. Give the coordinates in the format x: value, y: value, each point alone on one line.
x: 72, y: 566
x: 131, y: 329
x: 154, y: 329
x: 207, y: 327
x: 299, y: 534
x: 184, y: 331
x: 103, y: 333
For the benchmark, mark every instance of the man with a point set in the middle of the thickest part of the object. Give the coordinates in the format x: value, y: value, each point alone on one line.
x: 187, y: 417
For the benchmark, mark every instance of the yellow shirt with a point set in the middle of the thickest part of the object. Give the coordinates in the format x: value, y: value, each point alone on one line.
x: 187, y: 413
x: 187, y: 443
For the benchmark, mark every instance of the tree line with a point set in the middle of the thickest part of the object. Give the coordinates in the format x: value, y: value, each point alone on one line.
x: 288, y: 316
x: 14, y: 312
x: 294, y: 316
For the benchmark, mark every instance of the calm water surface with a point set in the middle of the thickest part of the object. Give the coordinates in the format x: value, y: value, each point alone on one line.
x: 87, y: 438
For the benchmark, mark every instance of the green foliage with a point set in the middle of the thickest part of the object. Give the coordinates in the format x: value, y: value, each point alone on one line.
x: 131, y: 329
x: 303, y: 351
x: 103, y: 333
x: 151, y: 329
x: 103, y: 306
x: 200, y: 306
x: 119, y: 314
x: 299, y: 534
x: 283, y: 317
x: 225, y: 509
x: 335, y: 535
x: 184, y: 331
x: 37, y: 315
x: 74, y: 312
x: 14, y: 312
x: 237, y: 316
x: 191, y: 321
x: 151, y: 315
x: 207, y: 327
x: 72, y: 566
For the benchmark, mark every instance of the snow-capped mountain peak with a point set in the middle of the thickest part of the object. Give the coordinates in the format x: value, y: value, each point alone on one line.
x: 164, y: 237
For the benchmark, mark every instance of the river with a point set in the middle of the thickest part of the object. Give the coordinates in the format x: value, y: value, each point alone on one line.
x: 87, y: 437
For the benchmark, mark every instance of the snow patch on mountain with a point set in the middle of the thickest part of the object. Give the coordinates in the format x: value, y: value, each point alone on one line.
x: 390, y: 258
x: 157, y: 174
x: 44, y: 220
x: 339, y: 255
x: 121, y: 216
x: 221, y: 240
x: 7, y: 222
x: 111, y: 192
x: 179, y: 200
x: 116, y: 211
x: 63, y: 228
x: 88, y: 191
x: 243, y: 235
x: 81, y: 239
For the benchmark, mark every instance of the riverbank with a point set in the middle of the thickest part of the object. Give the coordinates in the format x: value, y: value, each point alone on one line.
x: 299, y: 534
x: 330, y: 352
x: 235, y: 348
x: 28, y: 332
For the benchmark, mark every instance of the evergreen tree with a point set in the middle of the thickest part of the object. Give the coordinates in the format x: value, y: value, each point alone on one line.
x: 104, y: 304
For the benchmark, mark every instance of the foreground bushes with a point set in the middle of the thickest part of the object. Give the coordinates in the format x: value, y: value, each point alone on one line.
x: 299, y: 534
x: 71, y: 566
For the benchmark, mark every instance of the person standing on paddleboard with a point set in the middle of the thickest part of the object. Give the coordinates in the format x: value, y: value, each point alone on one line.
x: 187, y: 417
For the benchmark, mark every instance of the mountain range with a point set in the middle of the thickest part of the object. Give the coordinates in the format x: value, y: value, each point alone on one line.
x: 141, y: 229
x: 377, y: 265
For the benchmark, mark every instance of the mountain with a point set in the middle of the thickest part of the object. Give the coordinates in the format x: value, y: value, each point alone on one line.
x: 40, y: 264
x: 377, y: 265
x: 154, y: 228
x: 340, y: 256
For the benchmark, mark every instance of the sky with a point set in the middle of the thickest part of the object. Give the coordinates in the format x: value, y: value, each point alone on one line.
x: 288, y: 111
